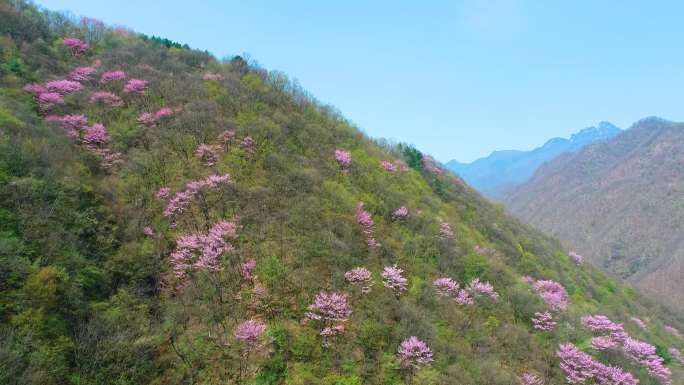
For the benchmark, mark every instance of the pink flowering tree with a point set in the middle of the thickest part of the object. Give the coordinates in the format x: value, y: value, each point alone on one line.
x: 210, y: 76
x: 601, y: 324
x: 430, y: 165
x: 364, y: 219
x: 388, y: 166
x: 202, y: 251
x: 82, y: 74
x: 400, y: 214
x: 641, y: 324
x: 112, y: 76
x: 482, y: 289
x: 543, y: 321
x: 553, y: 294
x: 448, y: 288
x: 248, y: 145
x: 247, y: 269
x: 676, y: 355
x: 48, y: 100
x: 135, y: 86
x: 76, y: 46
x: 178, y: 203
x: 329, y: 311
x: 645, y: 354
x: 106, y: 98
x: 343, y: 159
x: 530, y: 379
x: 249, y: 334
x: 414, y: 354
x: 360, y: 277
x: 603, y: 343
x: 672, y: 330
x: 581, y: 368
x: 393, y: 278
x: 445, y: 231
x: 207, y: 154
x: 63, y: 87
x: 578, y: 259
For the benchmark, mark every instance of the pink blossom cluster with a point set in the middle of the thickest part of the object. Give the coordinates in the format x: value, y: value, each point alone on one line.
x: 75, y: 45
x: 430, y: 165
x: 530, y: 379
x: 360, y: 276
x: 135, y: 86
x: 393, y: 166
x: 247, y: 269
x: 163, y: 193
x: 580, y: 368
x: 148, y: 231
x: 207, y: 154
x: 577, y: 258
x: 365, y: 220
x: 202, y: 251
x: 213, y: 76
x: 72, y: 124
x: 106, y: 98
x: 249, y: 332
x: 603, y: 343
x: 400, y: 214
x: 445, y: 231
x: 553, y: 294
x: 177, y: 204
x: 150, y: 119
x: 343, y: 159
x: 48, y: 100
x: 63, y: 86
x: 641, y: 324
x: 96, y: 136
x: 673, y: 331
x: 111, y: 76
x: 226, y: 137
x: 332, y: 310
x: 35, y: 89
x: 645, y: 354
x: 601, y: 324
x: 82, y: 74
x: 478, y: 288
x: 393, y: 278
x: 543, y: 321
x: 248, y: 144
x: 388, y: 166
x: 414, y: 353
x: 676, y: 355
x: 447, y: 287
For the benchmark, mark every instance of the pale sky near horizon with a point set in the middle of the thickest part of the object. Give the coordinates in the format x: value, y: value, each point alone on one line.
x: 458, y: 79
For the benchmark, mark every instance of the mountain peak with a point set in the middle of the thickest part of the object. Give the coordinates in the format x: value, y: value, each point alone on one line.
x: 503, y: 169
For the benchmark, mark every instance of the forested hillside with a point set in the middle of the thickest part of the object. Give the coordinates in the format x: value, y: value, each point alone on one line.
x: 169, y: 218
x: 619, y: 204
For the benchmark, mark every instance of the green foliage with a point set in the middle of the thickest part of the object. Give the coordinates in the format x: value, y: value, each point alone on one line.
x: 84, y: 294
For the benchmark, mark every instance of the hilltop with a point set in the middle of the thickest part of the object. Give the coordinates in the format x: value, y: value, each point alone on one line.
x: 171, y: 218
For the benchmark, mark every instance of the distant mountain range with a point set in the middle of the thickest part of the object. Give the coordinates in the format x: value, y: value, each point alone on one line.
x: 501, y: 171
x: 619, y: 202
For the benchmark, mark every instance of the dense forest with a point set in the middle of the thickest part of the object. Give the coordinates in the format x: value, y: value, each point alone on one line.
x: 170, y: 218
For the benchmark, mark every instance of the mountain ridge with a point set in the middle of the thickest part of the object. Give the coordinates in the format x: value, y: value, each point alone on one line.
x: 629, y: 182
x: 504, y: 169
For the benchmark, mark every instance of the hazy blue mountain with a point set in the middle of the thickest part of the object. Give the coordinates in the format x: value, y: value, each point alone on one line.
x: 502, y: 170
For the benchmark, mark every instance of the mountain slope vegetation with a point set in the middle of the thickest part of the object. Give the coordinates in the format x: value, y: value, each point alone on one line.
x: 169, y: 218
x: 618, y: 204
x: 500, y: 172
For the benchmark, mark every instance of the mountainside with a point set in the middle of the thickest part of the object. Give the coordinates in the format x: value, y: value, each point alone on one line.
x: 168, y: 218
x: 501, y: 171
x: 618, y: 203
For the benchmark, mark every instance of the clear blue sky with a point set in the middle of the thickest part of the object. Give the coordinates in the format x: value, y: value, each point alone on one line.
x: 456, y: 78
